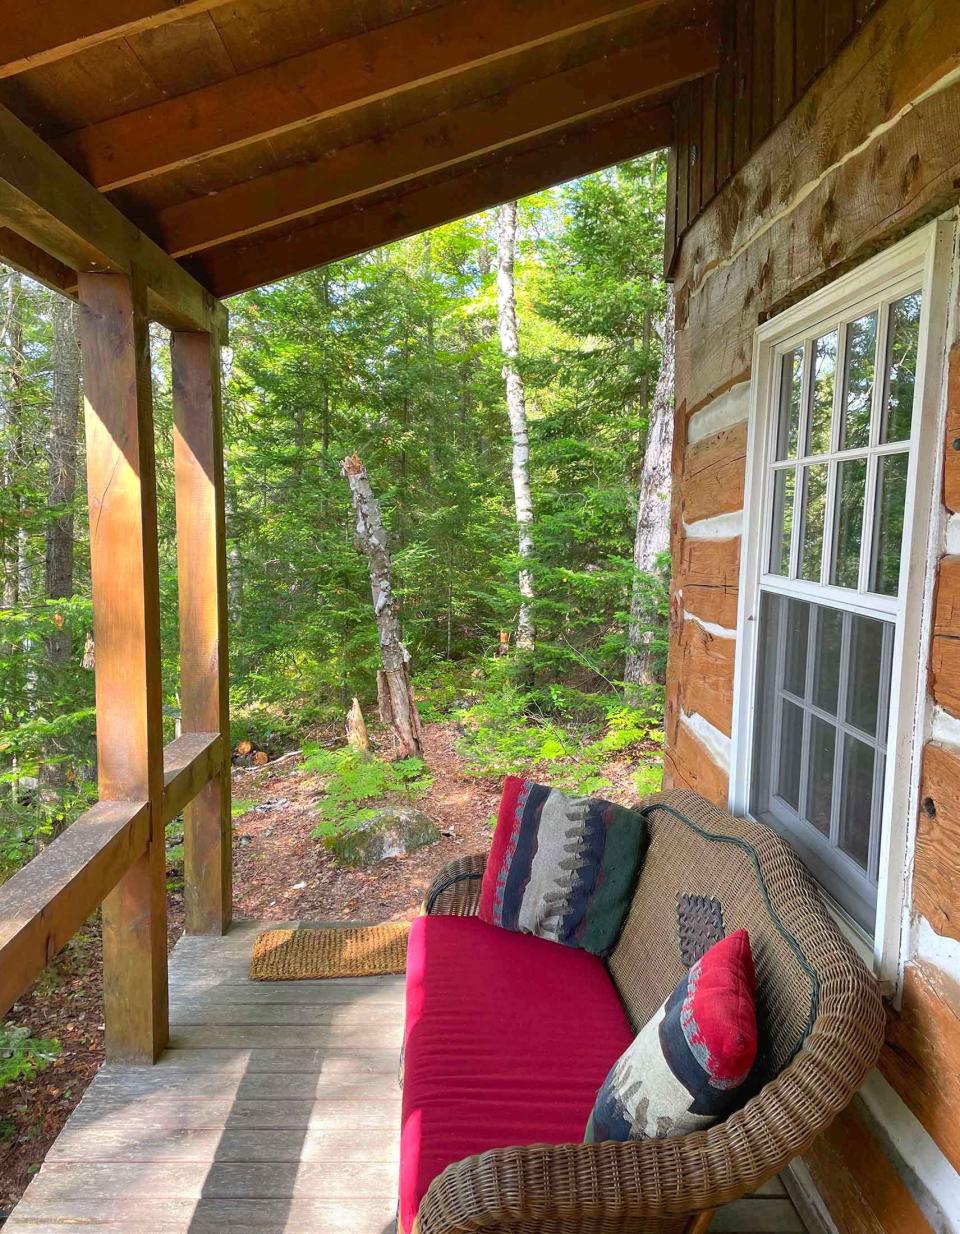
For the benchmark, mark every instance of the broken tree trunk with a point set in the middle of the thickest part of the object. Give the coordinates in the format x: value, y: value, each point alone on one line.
x: 394, y: 687
x: 517, y: 411
x: 653, y: 511
x: 357, y: 737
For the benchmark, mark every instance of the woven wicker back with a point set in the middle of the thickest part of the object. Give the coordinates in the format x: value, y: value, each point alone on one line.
x: 708, y: 872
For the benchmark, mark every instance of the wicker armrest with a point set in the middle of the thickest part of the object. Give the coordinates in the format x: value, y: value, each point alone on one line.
x: 455, y: 892
x: 658, y: 1186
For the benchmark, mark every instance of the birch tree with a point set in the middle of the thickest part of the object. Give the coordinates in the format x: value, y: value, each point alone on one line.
x: 652, y: 536
x: 517, y: 411
x: 398, y: 707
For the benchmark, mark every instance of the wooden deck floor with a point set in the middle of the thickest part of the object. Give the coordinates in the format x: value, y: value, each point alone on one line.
x: 276, y: 1108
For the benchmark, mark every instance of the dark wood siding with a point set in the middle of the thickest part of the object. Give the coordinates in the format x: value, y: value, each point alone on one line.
x: 773, y: 50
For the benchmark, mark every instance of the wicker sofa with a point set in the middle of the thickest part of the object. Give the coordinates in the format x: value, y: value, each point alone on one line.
x: 821, y: 1025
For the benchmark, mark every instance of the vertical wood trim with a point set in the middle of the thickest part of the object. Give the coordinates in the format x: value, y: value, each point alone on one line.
x: 762, y: 78
x: 743, y: 93
x: 121, y: 484
x: 695, y: 130
x: 784, y: 44
x: 202, y: 568
x: 670, y: 222
x: 839, y: 18
x: 726, y: 104
x: 810, y: 24
x: 683, y: 161
x: 708, y: 142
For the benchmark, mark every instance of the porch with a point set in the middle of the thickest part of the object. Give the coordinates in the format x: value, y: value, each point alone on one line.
x: 275, y: 1107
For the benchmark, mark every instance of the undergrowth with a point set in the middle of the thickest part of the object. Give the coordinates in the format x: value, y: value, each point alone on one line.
x: 354, y: 779
x: 22, y: 1056
x: 559, y: 734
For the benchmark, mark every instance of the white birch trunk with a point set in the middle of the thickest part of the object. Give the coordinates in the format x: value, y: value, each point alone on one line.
x: 517, y: 411
x: 398, y: 707
x: 653, y: 506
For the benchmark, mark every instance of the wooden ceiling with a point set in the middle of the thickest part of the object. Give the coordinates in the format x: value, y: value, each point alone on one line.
x: 253, y: 139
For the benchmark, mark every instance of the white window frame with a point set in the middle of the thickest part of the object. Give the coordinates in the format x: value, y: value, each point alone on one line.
x: 924, y: 261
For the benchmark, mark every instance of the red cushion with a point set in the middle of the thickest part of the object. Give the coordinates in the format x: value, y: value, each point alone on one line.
x: 507, y: 1039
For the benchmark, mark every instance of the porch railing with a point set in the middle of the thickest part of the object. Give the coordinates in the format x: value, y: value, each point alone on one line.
x: 115, y: 854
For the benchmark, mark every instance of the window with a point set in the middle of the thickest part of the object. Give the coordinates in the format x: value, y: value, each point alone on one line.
x: 836, y: 446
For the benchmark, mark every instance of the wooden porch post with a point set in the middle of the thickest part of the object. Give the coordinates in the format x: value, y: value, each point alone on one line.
x: 202, y: 566
x: 121, y: 483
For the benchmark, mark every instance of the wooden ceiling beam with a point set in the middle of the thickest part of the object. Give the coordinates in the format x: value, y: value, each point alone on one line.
x: 53, y: 208
x: 634, y: 71
x: 37, y: 32
x: 377, y: 64
x: 237, y: 267
x: 19, y: 253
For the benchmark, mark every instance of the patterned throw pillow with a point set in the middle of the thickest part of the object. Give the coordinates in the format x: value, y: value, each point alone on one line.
x: 687, y: 1066
x: 561, y: 867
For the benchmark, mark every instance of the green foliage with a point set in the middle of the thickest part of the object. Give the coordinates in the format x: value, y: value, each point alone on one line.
x: 22, y: 1056
x: 553, y: 736
x: 354, y: 779
x: 392, y: 354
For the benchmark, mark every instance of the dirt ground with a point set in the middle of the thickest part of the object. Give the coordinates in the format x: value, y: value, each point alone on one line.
x: 280, y: 873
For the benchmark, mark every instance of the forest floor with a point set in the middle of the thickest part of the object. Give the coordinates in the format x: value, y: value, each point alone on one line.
x: 280, y: 873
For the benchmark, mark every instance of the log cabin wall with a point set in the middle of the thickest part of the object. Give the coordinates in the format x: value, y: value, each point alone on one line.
x: 777, y: 188
x: 773, y: 49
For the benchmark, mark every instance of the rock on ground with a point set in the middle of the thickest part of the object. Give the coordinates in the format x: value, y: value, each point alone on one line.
x: 393, y: 832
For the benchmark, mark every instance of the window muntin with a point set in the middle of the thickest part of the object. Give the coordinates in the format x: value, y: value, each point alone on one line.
x: 835, y: 490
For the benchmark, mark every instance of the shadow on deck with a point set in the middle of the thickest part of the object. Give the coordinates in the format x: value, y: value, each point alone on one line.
x: 276, y: 1108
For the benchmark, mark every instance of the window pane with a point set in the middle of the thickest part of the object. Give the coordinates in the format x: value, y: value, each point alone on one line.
x: 795, y: 650
x: 783, y: 486
x: 791, y: 748
x: 823, y: 744
x: 814, y: 512
x: 791, y: 391
x: 848, y: 523
x: 901, y: 377
x: 856, y: 800
x: 821, y: 402
x: 888, y: 521
x: 858, y: 382
x: 826, y: 674
x: 864, y: 675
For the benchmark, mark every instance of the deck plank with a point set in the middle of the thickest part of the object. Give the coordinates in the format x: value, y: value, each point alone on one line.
x: 276, y: 1107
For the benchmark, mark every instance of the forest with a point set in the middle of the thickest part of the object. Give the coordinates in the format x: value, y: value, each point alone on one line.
x: 504, y: 382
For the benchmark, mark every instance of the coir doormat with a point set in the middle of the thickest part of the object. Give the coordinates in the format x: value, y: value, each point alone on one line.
x: 330, y: 951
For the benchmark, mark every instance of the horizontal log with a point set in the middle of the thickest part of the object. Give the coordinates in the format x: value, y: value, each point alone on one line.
x: 921, y: 1057
x: 687, y: 764
x: 705, y: 666
x: 936, y: 872
x: 64, y: 27
x: 638, y: 68
x: 853, y: 166
x: 858, y: 1182
x: 45, y: 903
x: 50, y: 205
x: 707, y: 578
x: 233, y: 268
x: 945, y: 648
x: 444, y: 40
x: 189, y: 763
x: 713, y: 476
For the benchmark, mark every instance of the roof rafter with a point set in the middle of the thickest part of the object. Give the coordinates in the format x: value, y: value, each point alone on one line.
x: 35, y: 34
x: 428, y: 46
x: 44, y: 201
x: 636, y: 70
x: 236, y: 267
